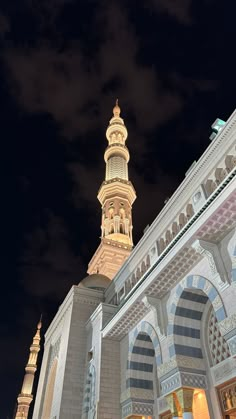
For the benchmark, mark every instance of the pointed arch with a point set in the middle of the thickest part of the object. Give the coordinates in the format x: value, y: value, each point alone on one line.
x: 147, y: 328
x: 185, y: 314
x: 141, y: 374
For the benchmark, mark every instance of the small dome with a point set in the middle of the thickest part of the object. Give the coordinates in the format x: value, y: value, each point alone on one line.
x: 95, y: 281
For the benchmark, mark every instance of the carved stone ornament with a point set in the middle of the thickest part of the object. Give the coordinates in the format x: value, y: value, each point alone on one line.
x: 160, y: 314
x: 225, y: 371
x: 162, y: 404
x: 173, y: 404
x: 185, y: 397
x: 213, y: 255
x: 165, y: 368
x: 228, y: 324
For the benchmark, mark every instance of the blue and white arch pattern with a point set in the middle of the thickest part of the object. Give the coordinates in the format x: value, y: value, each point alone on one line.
x: 147, y: 328
x: 185, y: 314
x: 143, y: 357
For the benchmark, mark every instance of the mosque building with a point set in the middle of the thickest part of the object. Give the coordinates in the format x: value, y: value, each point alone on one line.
x: 151, y: 331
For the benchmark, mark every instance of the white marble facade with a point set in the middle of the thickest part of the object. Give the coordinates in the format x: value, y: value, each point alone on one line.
x: 161, y: 336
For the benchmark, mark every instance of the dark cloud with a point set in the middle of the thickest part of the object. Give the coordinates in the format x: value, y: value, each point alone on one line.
x: 69, y: 85
x: 86, y: 183
x: 47, y: 80
x: 49, y: 265
x: 47, y: 10
x: 189, y: 85
x: 179, y: 9
x: 4, y: 25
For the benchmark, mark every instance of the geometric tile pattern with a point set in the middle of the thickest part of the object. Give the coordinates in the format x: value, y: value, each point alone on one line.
x: 137, y: 408
x: 218, y: 347
x: 193, y: 380
x: 170, y: 384
x: 183, y: 379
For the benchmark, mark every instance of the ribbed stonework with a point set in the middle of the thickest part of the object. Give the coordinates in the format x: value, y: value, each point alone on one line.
x: 25, y: 397
x: 116, y: 196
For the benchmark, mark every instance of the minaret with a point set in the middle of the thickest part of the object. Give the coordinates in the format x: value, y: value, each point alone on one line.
x: 25, y: 397
x: 116, y: 196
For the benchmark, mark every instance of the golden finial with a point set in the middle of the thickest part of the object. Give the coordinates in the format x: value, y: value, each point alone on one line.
x: 40, y: 323
x: 116, y: 110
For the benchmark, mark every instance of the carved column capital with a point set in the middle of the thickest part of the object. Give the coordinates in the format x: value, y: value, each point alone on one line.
x: 185, y: 398
x: 160, y: 313
x: 212, y: 253
x: 174, y: 405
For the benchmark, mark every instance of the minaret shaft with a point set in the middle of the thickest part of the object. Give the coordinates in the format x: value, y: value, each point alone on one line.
x: 116, y: 196
x: 25, y: 397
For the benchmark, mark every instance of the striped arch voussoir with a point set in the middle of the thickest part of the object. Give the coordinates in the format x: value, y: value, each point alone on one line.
x: 198, y: 282
x: 185, y: 315
x: 147, y: 328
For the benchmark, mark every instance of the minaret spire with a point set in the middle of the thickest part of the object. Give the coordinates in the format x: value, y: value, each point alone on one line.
x: 25, y: 397
x: 116, y: 109
x: 116, y: 196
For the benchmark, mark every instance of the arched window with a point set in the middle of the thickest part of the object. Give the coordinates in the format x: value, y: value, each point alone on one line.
x: 141, y: 375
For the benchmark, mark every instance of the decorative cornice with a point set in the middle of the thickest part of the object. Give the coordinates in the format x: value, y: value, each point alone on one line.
x: 224, y: 371
x: 179, y: 362
x: 183, y: 379
x: 116, y: 186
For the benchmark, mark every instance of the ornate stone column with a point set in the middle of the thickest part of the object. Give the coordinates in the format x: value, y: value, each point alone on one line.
x: 185, y: 398
x: 174, y: 406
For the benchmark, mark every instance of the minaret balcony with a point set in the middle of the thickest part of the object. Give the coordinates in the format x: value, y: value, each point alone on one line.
x: 117, y: 149
x: 25, y: 398
x: 117, y: 126
x: 117, y: 187
x: 119, y: 238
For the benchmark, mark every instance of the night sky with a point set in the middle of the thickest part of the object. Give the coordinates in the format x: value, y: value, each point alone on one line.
x: 63, y: 63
